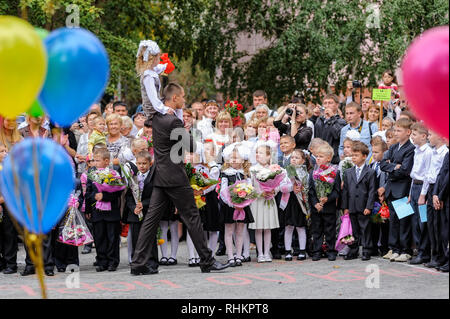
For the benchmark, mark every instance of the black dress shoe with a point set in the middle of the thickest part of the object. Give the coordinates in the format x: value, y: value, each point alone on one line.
x: 350, y: 257
x: 316, y: 257
x: 444, y: 268
x: 112, y: 268
x: 143, y: 271
x: 276, y: 256
x: 365, y: 256
x: 331, y: 256
x: 61, y: 269
x: 418, y: 260
x: 433, y: 264
x: 49, y: 272
x: 9, y: 270
x: 101, y: 268
x: 216, y: 266
x: 28, y: 271
x: 247, y: 259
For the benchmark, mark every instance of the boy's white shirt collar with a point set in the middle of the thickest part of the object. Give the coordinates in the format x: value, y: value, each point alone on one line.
x: 441, y: 149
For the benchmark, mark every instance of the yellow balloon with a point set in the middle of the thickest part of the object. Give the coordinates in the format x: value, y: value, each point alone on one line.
x: 23, y: 65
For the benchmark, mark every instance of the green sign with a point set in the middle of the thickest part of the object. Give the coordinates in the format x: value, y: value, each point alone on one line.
x: 381, y: 94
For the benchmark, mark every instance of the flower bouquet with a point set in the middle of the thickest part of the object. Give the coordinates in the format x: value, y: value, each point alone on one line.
x: 268, y: 179
x: 241, y: 194
x: 199, y: 181
x: 235, y: 110
x: 106, y: 180
x: 344, y: 165
x: 74, y: 231
x: 380, y: 213
x: 300, y: 177
x: 136, y: 184
x: 324, y: 178
x: 149, y: 141
x: 345, y: 236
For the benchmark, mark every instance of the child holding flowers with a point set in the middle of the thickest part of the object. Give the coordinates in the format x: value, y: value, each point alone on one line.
x: 297, y: 206
x: 324, y: 189
x: 103, y: 190
x: 264, y: 209
x: 235, y: 189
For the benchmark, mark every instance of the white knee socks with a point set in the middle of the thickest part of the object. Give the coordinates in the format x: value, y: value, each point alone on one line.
x: 191, y: 247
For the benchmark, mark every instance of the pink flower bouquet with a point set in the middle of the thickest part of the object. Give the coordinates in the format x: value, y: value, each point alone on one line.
x: 241, y: 194
x: 106, y: 180
x: 269, y: 179
x: 74, y: 230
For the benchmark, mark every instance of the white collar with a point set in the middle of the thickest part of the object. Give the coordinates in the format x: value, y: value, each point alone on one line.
x: 441, y: 150
x: 232, y: 171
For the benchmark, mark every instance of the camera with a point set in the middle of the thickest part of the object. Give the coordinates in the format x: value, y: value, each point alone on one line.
x: 356, y: 84
x: 291, y: 111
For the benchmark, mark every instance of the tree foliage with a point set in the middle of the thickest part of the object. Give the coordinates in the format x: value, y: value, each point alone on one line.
x: 310, y: 43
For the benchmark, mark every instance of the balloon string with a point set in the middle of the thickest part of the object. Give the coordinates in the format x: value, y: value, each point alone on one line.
x: 34, y: 245
x: 49, y: 179
x: 27, y: 216
x: 37, y: 186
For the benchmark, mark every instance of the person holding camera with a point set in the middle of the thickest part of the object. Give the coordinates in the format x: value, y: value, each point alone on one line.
x: 293, y: 121
x: 328, y: 127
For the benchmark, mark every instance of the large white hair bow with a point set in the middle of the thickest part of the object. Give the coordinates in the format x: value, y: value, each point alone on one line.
x: 243, y: 151
x: 151, y: 47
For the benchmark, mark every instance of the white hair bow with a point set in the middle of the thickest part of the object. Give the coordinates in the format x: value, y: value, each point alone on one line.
x: 353, y: 135
x: 243, y: 151
x: 151, y: 47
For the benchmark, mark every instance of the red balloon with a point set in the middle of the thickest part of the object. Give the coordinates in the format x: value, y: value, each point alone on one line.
x: 425, y: 75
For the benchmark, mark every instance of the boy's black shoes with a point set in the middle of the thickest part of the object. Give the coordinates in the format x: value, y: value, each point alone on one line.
x: 350, y: 257
x: 28, y: 271
x: 331, y: 257
x: 418, y: 260
x: 216, y: 266
x: 9, y: 270
x: 316, y: 256
x: 365, y: 256
x: 444, y: 268
x: 143, y: 271
x: 101, y: 268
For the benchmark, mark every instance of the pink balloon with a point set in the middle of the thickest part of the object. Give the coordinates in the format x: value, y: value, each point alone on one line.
x: 425, y: 74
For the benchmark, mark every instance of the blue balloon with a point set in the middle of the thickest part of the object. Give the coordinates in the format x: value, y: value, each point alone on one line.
x: 77, y: 74
x: 36, y: 182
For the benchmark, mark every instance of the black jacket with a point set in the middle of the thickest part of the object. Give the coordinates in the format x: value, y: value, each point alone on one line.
x: 130, y: 203
x: 398, y: 183
x: 169, y: 173
x: 359, y: 195
x: 303, y: 136
x: 441, y: 186
x: 330, y: 131
x: 331, y: 205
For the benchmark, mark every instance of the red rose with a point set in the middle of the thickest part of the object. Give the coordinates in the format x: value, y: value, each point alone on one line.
x: 333, y: 174
x: 205, y: 175
x: 193, y: 171
x: 235, y: 102
x: 228, y: 101
x: 324, y: 167
x: 239, y: 107
x: 322, y: 178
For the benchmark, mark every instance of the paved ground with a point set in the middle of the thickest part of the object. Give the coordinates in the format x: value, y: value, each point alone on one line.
x: 279, y: 279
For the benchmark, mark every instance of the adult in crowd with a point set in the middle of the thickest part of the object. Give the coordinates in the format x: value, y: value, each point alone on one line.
x: 34, y: 127
x: 127, y: 129
x: 353, y: 114
x: 82, y: 147
x: 259, y: 97
x: 115, y: 142
x: 207, y: 124
x: 198, y: 110
x: 293, y: 121
x: 188, y: 121
x: 9, y: 134
x: 328, y: 127
x: 139, y: 120
x: 120, y: 108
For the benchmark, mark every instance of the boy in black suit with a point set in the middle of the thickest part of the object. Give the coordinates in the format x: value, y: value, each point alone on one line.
x: 398, y: 162
x: 323, y: 210
x: 358, y: 197
x: 380, y: 232
x: 441, y: 204
x: 106, y: 224
x: 144, y: 171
